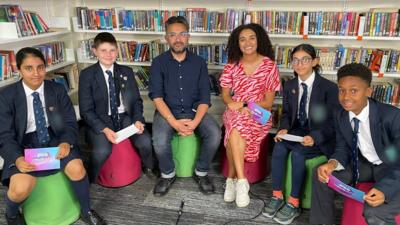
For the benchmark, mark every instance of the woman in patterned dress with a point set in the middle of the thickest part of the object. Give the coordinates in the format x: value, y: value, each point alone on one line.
x: 251, y: 75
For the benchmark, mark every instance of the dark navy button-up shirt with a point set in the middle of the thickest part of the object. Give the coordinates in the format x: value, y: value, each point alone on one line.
x: 182, y: 85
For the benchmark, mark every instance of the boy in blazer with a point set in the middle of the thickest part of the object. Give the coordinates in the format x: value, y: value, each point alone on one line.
x: 367, y: 150
x: 109, y: 100
x: 35, y: 113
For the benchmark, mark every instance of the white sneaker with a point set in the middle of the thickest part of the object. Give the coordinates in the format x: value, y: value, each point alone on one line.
x: 242, y: 193
x: 230, y: 190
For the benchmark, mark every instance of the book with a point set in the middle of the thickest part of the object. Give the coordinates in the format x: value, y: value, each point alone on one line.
x: 43, y: 158
x: 346, y: 190
x: 259, y: 114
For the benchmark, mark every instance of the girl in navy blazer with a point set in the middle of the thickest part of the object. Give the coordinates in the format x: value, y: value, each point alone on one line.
x: 308, y: 103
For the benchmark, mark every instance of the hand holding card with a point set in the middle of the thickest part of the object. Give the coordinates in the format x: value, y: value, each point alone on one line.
x: 43, y: 158
x: 260, y: 114
x: 345, y: 189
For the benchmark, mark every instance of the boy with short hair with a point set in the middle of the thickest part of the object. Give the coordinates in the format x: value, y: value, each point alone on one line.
x: 109, y: 100
x: 367, y: 150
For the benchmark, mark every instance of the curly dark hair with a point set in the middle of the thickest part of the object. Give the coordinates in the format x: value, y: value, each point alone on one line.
x: 264, y: 46
x: 355, y: 70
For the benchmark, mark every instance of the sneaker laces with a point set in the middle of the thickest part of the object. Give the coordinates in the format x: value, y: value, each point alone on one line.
x: 273, y: 203
x: 287, y: 209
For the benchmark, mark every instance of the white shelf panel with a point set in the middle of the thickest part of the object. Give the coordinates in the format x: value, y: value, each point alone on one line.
x: 89, y: 61
x: 59, y: 65
x: 208, y: 34
x: 8, y: 81
x: 120, y: 32
x: 34, y: 37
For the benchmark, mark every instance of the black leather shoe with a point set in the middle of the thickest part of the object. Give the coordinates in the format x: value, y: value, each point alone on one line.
x: 205, y: 184
x: 18, y: 220
x: 163, y: 185
x: 150, y: 173
x: 92, y: 218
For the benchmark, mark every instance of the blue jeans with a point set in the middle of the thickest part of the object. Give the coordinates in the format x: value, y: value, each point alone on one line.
x: 208, y: 130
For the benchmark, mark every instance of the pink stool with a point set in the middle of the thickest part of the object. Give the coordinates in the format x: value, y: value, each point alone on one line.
x: 398, y: 219
x: 353, y: 210
x: 254, y: 171
x: 122, y: 167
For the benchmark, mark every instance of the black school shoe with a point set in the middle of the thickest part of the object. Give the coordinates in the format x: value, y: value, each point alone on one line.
x: 162, y: 186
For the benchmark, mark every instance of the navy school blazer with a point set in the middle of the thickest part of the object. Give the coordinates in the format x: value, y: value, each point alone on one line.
x: 13, y: 119
x: 323, y: 103
x: 384, y: 123
x: 93, y: 96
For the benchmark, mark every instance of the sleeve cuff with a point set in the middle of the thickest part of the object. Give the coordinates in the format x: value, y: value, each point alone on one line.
x: 339, y: 166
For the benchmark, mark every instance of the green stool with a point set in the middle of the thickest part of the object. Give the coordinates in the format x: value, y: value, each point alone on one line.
x: 51, y: 202
x: 306, y: 190
x: 185, y: 151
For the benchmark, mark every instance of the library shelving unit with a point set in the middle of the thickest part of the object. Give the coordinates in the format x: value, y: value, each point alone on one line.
x: 57, y: 18
x: 281, y: 39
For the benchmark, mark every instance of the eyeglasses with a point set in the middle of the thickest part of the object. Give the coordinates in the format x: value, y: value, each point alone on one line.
x: 175, y: 35
x: 303, y: 61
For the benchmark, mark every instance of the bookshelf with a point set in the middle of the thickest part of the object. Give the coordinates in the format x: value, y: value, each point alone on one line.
x: 283, y: 39
x: 56, y: 16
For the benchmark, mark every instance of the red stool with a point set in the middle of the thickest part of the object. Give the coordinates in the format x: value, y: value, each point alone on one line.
x: 353, y: 210
x: 398, y: 219
x: 254, y: 171
x: 122, y: 167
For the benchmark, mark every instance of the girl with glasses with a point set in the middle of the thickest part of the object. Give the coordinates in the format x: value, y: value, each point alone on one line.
x: 308, y: 102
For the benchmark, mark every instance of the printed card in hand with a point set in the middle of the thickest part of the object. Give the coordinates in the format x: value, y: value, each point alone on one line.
x: 43, y: 158
x: 260, y: 114
x: 346, y: 190
x: 126, y: 133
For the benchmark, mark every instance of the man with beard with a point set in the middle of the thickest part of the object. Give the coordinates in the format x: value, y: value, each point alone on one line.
x: 179, y: 87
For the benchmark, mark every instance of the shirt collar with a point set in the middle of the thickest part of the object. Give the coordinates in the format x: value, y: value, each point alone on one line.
x: 310, y: 80
x: 104, y: 68
x: 29, y: 91
x: 363, y: 116
x: 187, y: 57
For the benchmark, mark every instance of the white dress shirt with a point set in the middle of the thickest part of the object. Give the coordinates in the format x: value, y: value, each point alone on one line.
x: 121, y: 108
x: 31, y: 125
x: 309, y: 82
x: 365, y: 143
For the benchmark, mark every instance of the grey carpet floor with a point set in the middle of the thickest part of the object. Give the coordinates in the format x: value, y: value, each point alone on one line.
x: 136, y: 204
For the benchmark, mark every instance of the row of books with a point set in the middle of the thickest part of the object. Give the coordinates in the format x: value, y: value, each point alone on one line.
x: 142, y: 77
x: 27, y: 23
x: 8, y: 65
x: 386, y: 93
x: 132, y: 51
x: 378, y: 60
x: 129, y: 51
x: 53, y: 52
x: 376, y: 22
x: 67, y: 76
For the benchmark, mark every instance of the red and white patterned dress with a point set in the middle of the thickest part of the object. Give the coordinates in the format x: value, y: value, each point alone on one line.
x: 249, y: 89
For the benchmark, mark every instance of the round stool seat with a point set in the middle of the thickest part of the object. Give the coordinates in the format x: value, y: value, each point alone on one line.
x: 305, y: 199
x: 52, y: 201
x: 185, y: 151
x: 254, y: 171
x: 353, y: 210
x: 122, y: 167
